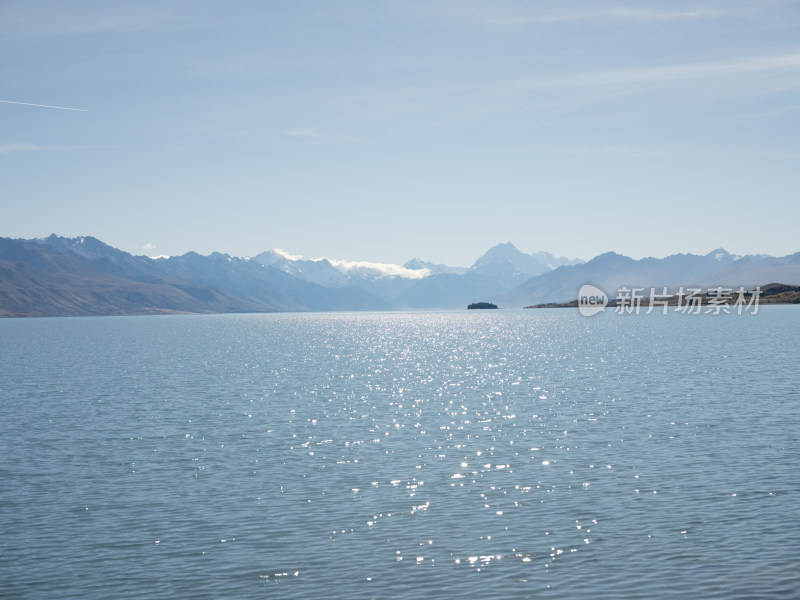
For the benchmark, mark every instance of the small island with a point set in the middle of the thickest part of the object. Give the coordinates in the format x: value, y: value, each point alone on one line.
x: 482, y: 305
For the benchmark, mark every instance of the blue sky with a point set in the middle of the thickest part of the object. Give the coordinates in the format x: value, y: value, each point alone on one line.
x: 369, y: 130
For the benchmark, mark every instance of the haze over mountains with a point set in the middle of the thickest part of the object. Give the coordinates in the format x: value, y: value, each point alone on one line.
x: 422, y: 284
x: 58, y: 276
x: 612, y: 271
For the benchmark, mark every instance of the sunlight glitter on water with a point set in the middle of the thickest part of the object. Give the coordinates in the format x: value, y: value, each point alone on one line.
x: 466, y: 453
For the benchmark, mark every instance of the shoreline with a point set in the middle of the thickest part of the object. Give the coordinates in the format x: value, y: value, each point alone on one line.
x: 772, y: 293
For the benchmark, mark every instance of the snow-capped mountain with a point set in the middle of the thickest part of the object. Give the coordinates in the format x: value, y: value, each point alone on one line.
x: 507, y: 260
x: 501, y: 268
x: 334, y: 270
x: 419, y: 283
x: 433, y: 268
x: 321, y: 271
x: 384, y: 280
x: 71, y: 276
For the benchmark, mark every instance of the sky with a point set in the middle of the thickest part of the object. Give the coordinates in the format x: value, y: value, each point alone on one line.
x: 385, y: 130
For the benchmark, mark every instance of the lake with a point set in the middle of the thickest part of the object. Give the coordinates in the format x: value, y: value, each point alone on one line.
x: 500, y: 454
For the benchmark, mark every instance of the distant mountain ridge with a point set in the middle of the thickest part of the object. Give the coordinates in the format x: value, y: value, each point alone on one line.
x: 498, y: 270
x: 612, y: 271
x: 59, y: 276
x: 422, y: 284
x: 37, y: 280
x: 433, y: 268
x: 506, y: 258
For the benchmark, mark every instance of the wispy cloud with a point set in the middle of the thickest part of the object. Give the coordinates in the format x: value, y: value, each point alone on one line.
x: 362, y: 267
x: 43, y: 105
x: 648, y: 14
x: 286, y: 255
x: 698, y: 81
x: 779, y: 63
x: 385, y: 269
x: 637, y: 14
x: 494, y: 13
x: 27, y: 19
x: 675, y: 84
x: 780, y: 110
x: 312, y: 136
x: 603, y: 151
x: 727, y: 152
x: 149, y: 246
x: 543, y: 97
x: 35, y: 148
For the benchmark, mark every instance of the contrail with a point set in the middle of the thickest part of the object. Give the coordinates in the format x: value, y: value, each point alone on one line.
x: 43, y: 105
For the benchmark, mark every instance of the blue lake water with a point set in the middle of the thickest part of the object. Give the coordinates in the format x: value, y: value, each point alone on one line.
x: 500, y: 454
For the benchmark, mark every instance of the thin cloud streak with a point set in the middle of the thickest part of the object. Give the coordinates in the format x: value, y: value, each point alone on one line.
x: 777, y: 111
x: 311, y: 136
x: 457, y: 104
x: 285, y: 254
x: 362, y: 266
x: 386, y: 269
x: 786, y: 62
x: 613, y: 14
x: 495, y: 15
x: 43, y: 105
x: 38, y: 21
x: 634, y: 152
x: 35, y: 148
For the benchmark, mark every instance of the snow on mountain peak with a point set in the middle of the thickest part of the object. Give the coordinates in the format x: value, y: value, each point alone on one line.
x: 286, y: 255
x: 507, y: 256
x: 361, y: 268
x: 719, y: 254
x: 377, y: 269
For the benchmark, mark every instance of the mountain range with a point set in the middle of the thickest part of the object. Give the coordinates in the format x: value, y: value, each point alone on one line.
x: 59, y: 276
x: 612, y: 271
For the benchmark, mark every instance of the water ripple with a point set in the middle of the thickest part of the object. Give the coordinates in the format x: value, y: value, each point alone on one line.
x: 512, y: 454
